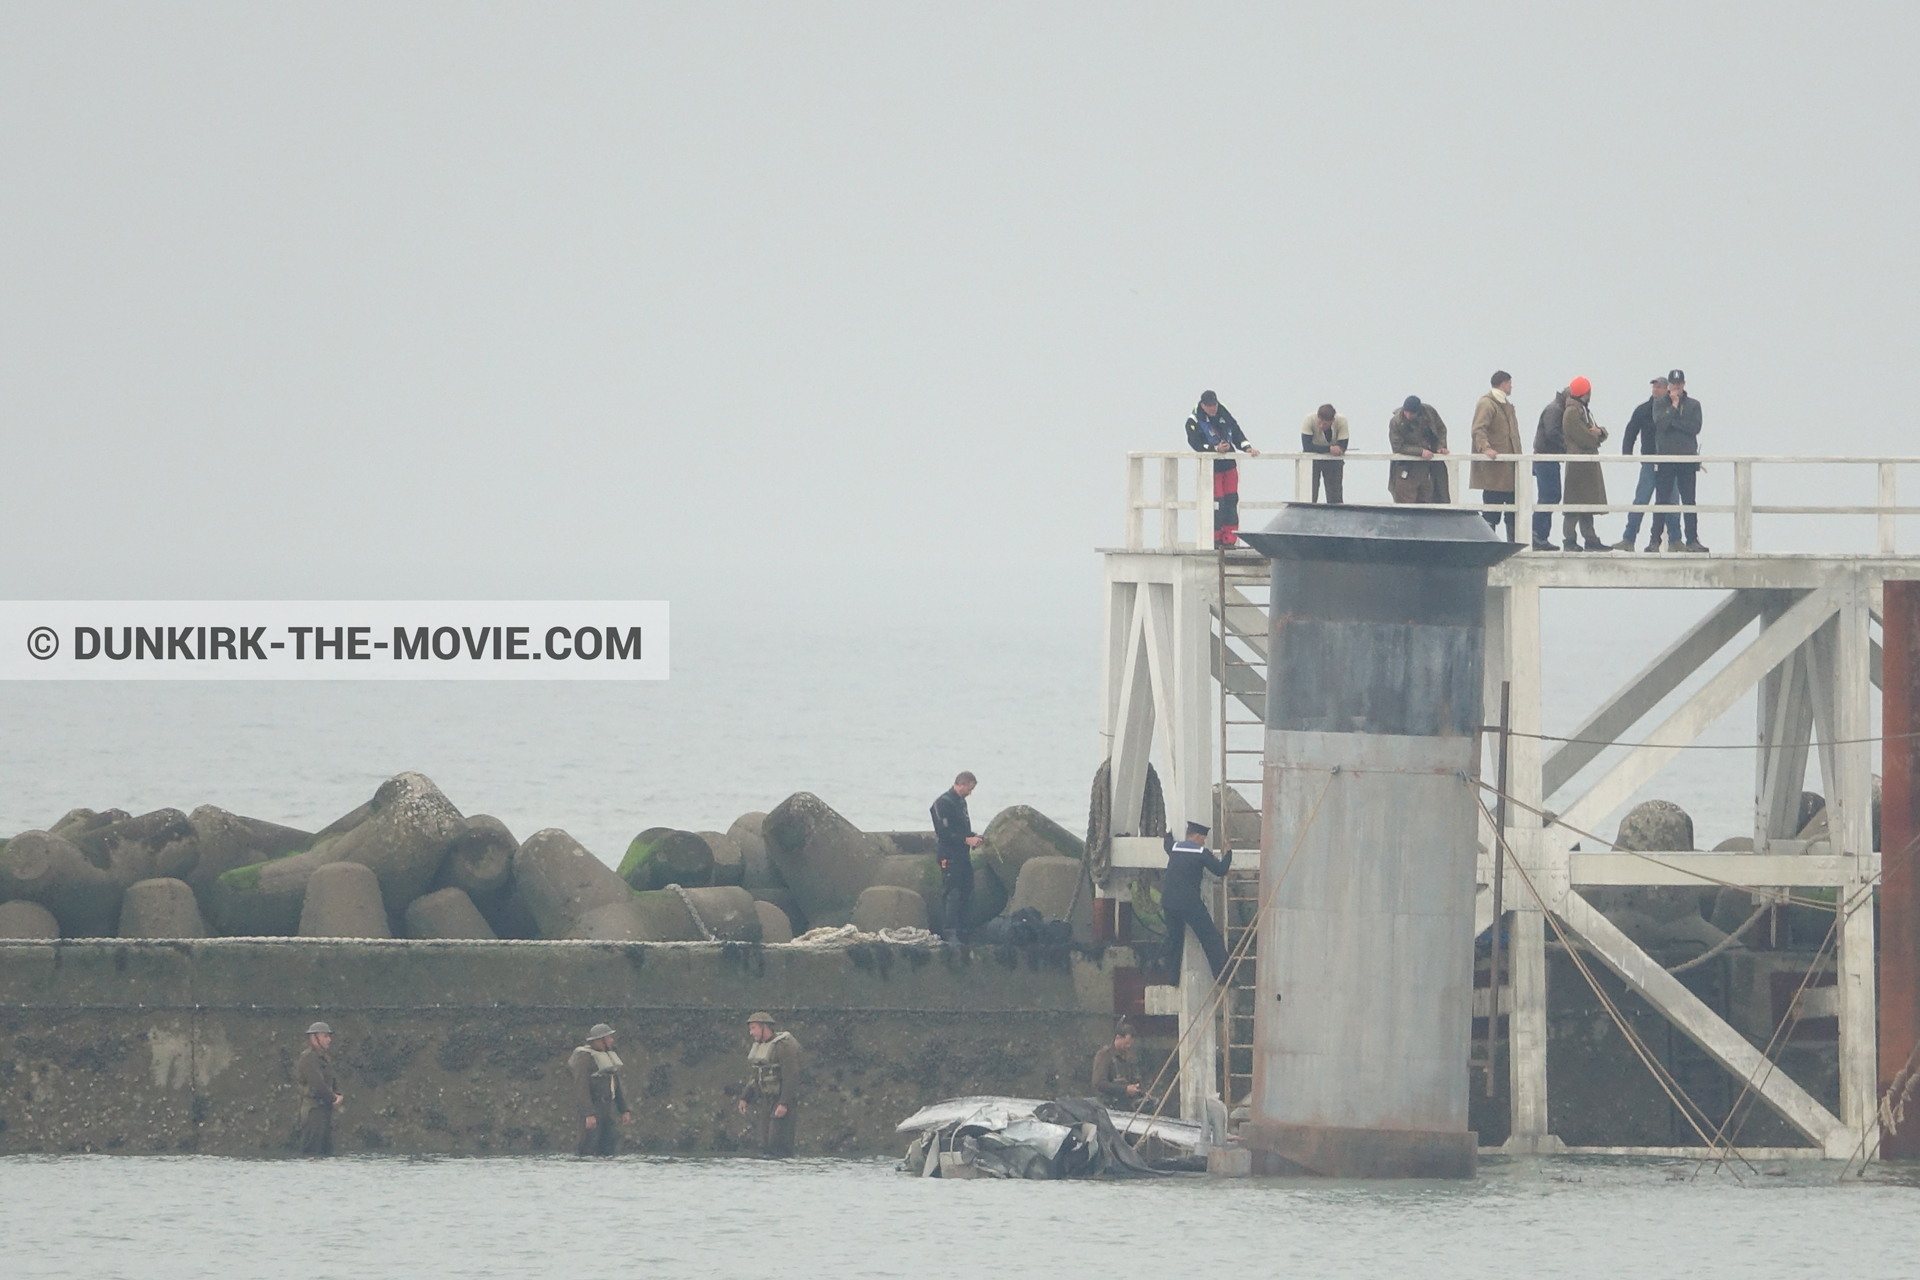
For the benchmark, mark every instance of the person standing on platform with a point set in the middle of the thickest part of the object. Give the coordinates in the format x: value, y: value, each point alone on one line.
x: 1676, y: 425
x: 953, y: 831
x: 598, y: 1095
x: 773, y: 1084
x: 1416, y: 432
x: 1546, y: 475
x: 1182, y: 905
x: 1211, y: 429
x: 1496, y: 430
x: 319, y: 1092
x: 1116, y: 1077
x: 1325, y: 432
x: 1583, y: 436
x: 1640, y: 428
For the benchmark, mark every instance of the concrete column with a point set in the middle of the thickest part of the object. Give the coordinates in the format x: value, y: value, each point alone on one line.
x: 1899, y: 830
x: 1851, y: 829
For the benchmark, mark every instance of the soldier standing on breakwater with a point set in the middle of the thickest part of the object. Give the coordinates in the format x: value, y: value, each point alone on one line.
x: 773, y: 1084
x: 319, y: 1092
x: 597, y: 1093
x: 954, y: 831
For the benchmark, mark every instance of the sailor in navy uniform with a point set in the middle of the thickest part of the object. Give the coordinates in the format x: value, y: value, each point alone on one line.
x: 1180, y: 899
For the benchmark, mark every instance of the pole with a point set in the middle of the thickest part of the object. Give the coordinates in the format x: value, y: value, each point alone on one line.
x: 1899, y: 833
x: 1499, y: 875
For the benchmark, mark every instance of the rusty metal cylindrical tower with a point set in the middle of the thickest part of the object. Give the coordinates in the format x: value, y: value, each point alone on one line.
x: 1364, y: 985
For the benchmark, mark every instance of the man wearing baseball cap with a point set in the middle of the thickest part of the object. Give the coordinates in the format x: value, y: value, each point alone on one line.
x: 1676, y: 425
x: 1640, y: 427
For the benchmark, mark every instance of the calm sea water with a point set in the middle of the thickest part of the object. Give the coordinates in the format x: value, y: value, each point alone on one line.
x: 358, y: 1219
x: 875, y: 721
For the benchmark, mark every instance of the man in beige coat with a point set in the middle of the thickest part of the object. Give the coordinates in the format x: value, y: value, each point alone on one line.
x: 1496, y: 430
x: 1585, y: 484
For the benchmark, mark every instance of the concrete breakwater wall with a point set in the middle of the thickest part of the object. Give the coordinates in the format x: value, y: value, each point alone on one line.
x: 149, y: 1047
x: 159, y: 1047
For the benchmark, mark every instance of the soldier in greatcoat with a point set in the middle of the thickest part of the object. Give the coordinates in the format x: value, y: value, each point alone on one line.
x: 319, y: 1092
x: 773, y: 1084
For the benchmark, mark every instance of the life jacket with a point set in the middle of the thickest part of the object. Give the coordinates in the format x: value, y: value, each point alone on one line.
x: 764, y: 1067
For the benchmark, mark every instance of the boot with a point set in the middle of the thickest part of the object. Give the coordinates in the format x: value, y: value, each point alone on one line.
x: 1597, y: 545
x: 1653, y: 547
x: 1695, y: 546
x: 1568, y: 544
x: 1625, y: 544
x: 1538, y: 545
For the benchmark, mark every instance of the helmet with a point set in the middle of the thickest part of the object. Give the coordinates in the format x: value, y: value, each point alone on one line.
x: 600, y: 1030
x: 319, y: 1029
x: 762, y: 1016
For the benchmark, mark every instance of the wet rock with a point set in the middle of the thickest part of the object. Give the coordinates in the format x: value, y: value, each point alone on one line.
x: 821, y: 856
x: 479, y: 859
x: 405, y: 838
x: 886, y: 906
x: 161, y: 908
x: 920, y: 873
x: 561, y: 882
x: 446, y: 913
x: 774, y: 925
x: 728, y: 862
x: 38, y: 866
x: 1050, y: 886
x: 756, y: 868
x: 1020, y: 833
x: 1655, y: 826
x: 344, y: 901
x: 660, y: 856
x: 224, y: 841
x: 27, y: 920
x: 788, y: 906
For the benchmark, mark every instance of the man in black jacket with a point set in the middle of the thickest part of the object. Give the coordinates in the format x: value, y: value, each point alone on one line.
x: 1640, y: 427
x: 1181, y: 904
x: 953, y: 831
x: 1211, y: 429
x: 1676, y: 423
x: 1547, y: 438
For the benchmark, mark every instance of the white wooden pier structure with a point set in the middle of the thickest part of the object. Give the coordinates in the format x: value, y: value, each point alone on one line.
x: 1812, y: 658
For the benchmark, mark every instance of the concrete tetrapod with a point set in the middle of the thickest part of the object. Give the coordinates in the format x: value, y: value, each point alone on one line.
x: 560, y: 882
x: 27, y: 920
x: 446, y: 913
x: 343, y: 901
x: 783, y: 901
x: 479, y: 859
x: 158, y: 844
x: 405, y: 838
x: 1052, y: 887
x: 223, y: 841
x: 886, y: 906
x: 920, y: 873
x: 774, y: 925
x: 823, y: 858
x: 161, y: 908
x: 728, y: 862
x: 1021, y: 832
x: 76, y: 822
x: 756, y: 869
x: 660, y: 856
x: 50, y: 870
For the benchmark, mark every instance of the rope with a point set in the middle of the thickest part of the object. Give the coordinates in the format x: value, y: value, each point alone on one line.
x: 1677, y: 1095
x: 1781, y: 897
x: 1707, y: 746
x: 1182, y: 1050
x: 698, y: 923
x: 1725, y: 942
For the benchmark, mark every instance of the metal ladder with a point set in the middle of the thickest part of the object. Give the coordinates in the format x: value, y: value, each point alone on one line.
x: 1239, y: 668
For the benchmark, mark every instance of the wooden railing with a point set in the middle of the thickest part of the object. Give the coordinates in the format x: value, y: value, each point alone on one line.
x: 1185, y: 483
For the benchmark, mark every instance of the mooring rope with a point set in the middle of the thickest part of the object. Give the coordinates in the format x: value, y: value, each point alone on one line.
x: 1706, y: 746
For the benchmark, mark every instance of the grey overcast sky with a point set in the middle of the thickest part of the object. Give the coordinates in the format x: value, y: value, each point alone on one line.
x: 850, y: 311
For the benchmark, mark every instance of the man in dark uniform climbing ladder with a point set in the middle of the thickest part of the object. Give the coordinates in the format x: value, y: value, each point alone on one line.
x: 1181, y: 904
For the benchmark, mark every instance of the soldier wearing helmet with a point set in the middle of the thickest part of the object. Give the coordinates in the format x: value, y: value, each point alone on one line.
x: 319, y: 1092
x: 773, y: 1084
x: 597, y: 1092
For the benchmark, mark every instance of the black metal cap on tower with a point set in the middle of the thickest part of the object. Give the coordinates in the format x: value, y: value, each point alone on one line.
x: 1411, y: 534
